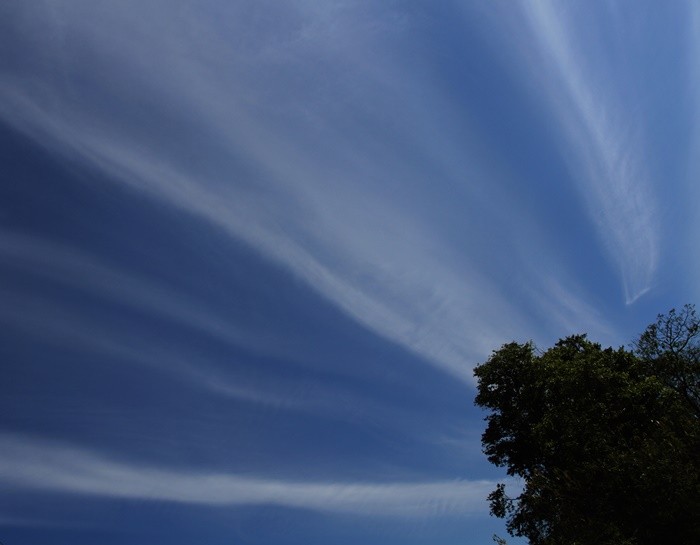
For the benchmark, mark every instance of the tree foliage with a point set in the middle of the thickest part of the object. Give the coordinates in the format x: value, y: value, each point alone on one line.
x: 606, y: 442
x: 671, y: 347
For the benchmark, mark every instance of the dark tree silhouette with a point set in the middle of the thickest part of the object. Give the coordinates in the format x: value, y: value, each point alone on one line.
x: 606, y: 441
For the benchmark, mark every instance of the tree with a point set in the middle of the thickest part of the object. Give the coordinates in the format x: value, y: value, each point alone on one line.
x: 671, y: 347
x: 606, y: 447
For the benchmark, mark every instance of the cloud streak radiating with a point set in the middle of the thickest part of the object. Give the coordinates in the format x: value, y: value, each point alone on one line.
x: 338, y: 200
x: 295, y: 206
x: 609, y: 162
x: 49, y: 467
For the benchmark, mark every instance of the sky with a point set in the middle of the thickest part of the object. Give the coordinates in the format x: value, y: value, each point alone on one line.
x: 251, y: 250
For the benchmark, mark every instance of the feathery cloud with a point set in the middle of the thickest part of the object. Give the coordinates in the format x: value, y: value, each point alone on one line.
x: 44, y: 466
x: 609, y: 163
x: 333, y: 227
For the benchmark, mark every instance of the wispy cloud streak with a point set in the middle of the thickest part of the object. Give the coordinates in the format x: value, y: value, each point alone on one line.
x: 81, y: 271
x: 46, y: 321
x: 42, y: 319
x: 608, y: 159
x: 50, y: 467
x: 330, y: 177
x: 323, y: 217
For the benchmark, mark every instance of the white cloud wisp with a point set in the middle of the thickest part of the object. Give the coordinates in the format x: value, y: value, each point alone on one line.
x: 330, y: 226
x: 49, y: 467
x: 612, y: 174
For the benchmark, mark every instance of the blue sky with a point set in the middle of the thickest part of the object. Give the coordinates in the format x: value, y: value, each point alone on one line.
x: 250, y: 251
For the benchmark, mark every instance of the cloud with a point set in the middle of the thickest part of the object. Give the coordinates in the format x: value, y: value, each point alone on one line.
x: 79, y: 270
x: 332, y: 226
x: 609, y: 161
x: 97, y: 338
x: 44, y: 466
x: 312, y: 138
x: 42, y: 319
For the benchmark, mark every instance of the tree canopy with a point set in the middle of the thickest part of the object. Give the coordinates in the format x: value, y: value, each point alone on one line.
x: 606, y: 442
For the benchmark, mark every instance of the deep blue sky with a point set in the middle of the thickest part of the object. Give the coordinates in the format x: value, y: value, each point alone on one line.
x: 250, y: 251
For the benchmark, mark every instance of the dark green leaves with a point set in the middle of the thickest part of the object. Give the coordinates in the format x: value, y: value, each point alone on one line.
x: 607, y: 447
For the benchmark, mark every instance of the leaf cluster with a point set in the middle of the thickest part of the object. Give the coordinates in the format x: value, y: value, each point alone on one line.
x: 605, y: 445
